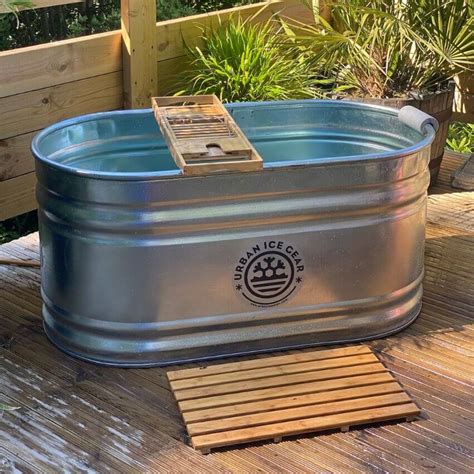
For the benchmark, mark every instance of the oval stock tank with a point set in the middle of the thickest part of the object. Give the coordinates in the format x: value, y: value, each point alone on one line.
x: 143, y: 266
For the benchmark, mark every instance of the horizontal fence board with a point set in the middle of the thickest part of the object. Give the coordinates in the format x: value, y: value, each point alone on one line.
x: 466, y: 117
x: 41, y: 4
x: 46, y: 65
x: 171, y: 75
x: 17, y: 196
x: 35, y: 110
x: 299, y: 11
x: 15, y: 156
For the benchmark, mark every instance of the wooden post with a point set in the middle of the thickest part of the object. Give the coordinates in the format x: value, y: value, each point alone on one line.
x: 140, y: 71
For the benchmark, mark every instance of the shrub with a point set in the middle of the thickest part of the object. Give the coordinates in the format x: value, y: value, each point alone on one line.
x: 168, y: 9
x: 18, y: 226
x: 388, y: 48
x: 461, y: 137
x: 243, y: 62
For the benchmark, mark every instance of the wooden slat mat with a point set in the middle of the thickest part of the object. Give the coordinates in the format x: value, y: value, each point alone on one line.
x: 272, y: 397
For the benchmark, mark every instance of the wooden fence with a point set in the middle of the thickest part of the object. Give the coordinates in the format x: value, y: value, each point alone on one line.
x: 40, y: 85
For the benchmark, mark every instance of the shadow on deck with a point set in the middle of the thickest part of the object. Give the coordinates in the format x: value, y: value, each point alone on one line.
x: 79, y: 417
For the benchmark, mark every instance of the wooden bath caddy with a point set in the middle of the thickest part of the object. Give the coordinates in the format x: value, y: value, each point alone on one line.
x: 202, y: 136
x: 273, y: 397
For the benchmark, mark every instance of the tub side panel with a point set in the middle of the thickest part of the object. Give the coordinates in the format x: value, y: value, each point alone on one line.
x: 200, y: 268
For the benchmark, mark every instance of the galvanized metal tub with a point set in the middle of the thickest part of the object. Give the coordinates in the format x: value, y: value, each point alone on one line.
x: 142, y: 266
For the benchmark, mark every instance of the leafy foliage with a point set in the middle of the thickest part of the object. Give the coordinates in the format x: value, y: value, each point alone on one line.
x: 243, y: 62
x: 98, y: 16
x: 388, y: 48
x: 168, y: 9
x: 18, y: 226
x: 461, y: 137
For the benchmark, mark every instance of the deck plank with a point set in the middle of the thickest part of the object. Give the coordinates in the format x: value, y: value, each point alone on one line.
x: 103, y: 419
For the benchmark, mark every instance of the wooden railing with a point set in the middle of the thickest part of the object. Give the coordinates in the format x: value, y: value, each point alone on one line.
x: 40, y: 85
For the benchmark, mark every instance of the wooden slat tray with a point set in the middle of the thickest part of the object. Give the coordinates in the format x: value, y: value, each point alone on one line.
x: 273, y: 397
x: 202, y: 136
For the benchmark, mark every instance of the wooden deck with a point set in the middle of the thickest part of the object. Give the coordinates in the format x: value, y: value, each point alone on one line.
x: 79, y: 417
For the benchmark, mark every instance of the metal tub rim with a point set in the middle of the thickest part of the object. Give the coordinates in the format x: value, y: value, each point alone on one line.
x: 428, y: 134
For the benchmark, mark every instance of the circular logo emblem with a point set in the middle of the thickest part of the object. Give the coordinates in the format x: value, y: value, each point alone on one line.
x: 269, y: 273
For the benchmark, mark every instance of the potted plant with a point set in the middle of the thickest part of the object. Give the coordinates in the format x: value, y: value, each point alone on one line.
x: 394, y: 53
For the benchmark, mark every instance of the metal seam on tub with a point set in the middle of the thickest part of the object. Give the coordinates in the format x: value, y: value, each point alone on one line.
x: 334, y: 309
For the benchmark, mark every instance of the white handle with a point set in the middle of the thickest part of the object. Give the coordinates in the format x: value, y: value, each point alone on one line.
x: 417, y: 119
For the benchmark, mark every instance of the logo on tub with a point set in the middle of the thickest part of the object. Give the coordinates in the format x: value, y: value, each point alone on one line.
x: 269, y: 273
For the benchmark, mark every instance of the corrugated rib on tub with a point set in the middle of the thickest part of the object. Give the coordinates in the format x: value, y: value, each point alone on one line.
x: 144, y: 266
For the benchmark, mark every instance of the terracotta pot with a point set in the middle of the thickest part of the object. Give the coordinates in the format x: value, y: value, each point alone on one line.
x: 436, y: 104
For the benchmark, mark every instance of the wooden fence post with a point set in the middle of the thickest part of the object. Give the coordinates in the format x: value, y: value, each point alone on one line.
x: 140, y: 71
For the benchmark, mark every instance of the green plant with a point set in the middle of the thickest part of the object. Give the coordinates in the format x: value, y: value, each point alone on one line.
x: 461, y: 137
x: 7, y: 234
x: 16, y: 227
x: 240, y: 61
x: 389, y: 48
x: 168, y: 9
x: 98, y: 18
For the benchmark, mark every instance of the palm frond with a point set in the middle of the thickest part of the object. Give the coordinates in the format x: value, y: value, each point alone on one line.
x: 384, y: 48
